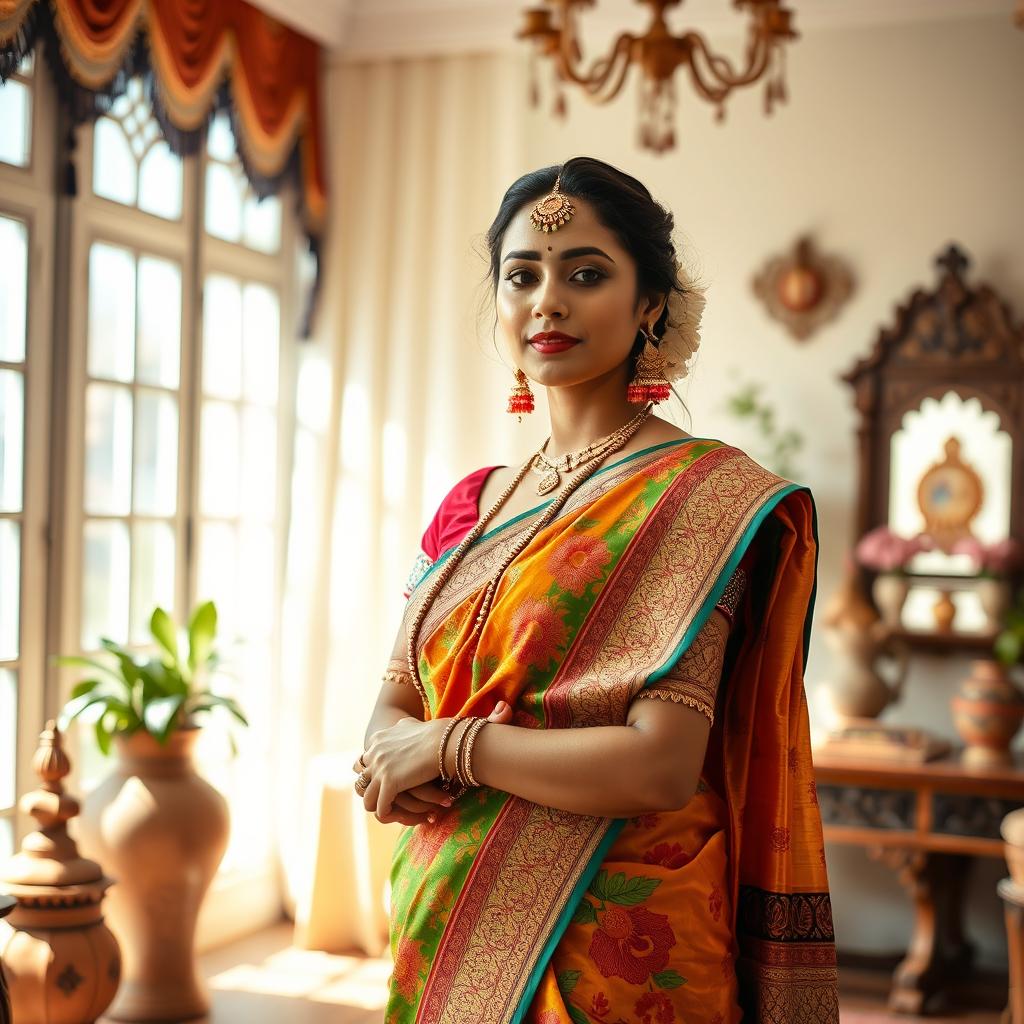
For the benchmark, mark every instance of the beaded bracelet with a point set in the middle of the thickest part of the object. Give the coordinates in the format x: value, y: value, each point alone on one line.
x: 476, y: 728
x: 446, y: 779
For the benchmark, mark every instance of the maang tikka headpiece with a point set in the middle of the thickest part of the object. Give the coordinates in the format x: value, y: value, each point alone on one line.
x: 553, y: 210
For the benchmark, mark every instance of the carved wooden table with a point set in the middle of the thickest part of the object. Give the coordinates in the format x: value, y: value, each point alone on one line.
x: 927, y: 821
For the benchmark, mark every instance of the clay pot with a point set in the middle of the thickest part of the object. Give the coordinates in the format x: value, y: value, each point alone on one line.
x: 987, y: 713
x: 1012, y: 830
x: 161, y: 830
x: 890, y: 590
x: 870, y: 666
x: 944, y: 611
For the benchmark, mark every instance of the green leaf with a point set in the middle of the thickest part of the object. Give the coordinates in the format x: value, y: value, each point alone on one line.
x: 584, y: 913
x: 84, y: 687
x: 668, y: 979
x: 162, y: 628
x: 93, y: 663
x: 567, y: 981
x: 1008, y: 647
x: 74, y: 707
x: 635, y: 891
x: 577, y: 1015
x: 102, y: 736
x: 129, y: 668
x: 207, y: 701
x: 599, y: 886
x: 159, y: 715
x: 201, y: 631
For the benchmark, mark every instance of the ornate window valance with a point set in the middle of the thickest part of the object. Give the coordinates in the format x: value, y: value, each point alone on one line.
x: 196, y: 56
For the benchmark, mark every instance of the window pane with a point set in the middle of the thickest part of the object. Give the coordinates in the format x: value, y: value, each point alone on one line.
x: 105, y: 583
x: 222, y: 337
x: 10, y: 588
x: 111, y: 312
x: 256, y: 583
x: 152, y: 575
x: 223, y: 202
x: 16, y: 117
x: 160, y: 181
x: 13, y: 264
x: 261, y: 334
x: 108, y: 449
x: 114, y: 171
x: 220, y: 142
x: 156, y: 453
x: 259, y: 463
x: 11, y: 439
x: 159, y: 353
x: 263, y: 223
x: 218, y: 575
x: 6, y: 839
x: 219, y: 444
x: 8, y: 736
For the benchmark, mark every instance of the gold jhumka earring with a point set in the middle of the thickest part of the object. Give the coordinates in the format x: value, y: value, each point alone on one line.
x: 521, y: 399
x: 649, y: 383
x: 553, y: 210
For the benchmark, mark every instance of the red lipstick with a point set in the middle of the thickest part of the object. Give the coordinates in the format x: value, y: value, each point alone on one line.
x: 549, y: 342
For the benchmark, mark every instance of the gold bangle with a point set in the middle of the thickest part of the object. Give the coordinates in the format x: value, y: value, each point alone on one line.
x: 477, y: 727
x: 458, y: 753
x: 445, y: 778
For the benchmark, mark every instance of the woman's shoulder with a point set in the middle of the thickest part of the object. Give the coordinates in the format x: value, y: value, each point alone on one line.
x: 456, y: 513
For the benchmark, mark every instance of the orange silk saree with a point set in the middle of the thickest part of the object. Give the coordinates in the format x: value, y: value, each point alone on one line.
x: 508, y: 911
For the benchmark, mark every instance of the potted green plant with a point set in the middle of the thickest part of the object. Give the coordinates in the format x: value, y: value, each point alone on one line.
x: 154, y: 823
x: 158, y: 694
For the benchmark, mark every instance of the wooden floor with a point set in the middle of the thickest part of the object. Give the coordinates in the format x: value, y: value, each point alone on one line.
x: 263, y: 980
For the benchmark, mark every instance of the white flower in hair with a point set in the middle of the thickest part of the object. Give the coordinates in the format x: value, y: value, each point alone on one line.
x: 682, y: 327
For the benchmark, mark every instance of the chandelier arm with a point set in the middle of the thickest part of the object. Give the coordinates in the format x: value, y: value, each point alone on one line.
x: 599, y: 93
x: 722, y: 68
x: 594, y: 80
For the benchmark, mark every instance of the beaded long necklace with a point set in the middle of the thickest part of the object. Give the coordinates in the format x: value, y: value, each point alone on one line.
x: 441, y: 578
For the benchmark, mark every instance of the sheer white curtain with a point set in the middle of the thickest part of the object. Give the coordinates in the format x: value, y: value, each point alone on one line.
x: 400, y: 395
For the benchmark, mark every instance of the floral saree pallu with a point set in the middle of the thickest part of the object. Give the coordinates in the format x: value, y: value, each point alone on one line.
x: 508, y: 911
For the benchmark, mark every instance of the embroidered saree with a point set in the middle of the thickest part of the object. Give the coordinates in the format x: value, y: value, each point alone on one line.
x: 506, y: 911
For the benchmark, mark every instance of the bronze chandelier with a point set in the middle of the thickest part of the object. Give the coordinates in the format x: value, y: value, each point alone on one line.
x: 552, y: 28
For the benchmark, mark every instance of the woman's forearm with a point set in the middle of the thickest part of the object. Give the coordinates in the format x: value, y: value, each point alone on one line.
x: 617, y: 771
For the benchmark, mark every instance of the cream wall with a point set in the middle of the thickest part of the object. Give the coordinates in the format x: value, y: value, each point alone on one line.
x: 895, y: 141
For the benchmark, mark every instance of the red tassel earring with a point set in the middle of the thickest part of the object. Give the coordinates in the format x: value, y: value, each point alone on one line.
x: 521, y: 399
x: 649, y: 383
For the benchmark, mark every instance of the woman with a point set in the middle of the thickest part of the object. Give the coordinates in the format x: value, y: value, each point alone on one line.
x: 594, y: 719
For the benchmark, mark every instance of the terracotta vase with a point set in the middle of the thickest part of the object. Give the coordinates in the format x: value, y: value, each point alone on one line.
x: 161, y: 831
x: 944, y: 611
x: 890, y: 590
x: 987, y: 713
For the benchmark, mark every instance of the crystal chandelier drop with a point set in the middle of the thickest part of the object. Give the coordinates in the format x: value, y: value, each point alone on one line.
x: 552, y: 28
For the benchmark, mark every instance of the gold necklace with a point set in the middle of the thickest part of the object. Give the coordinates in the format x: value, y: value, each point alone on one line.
x: 548, y: 469
x: 549, y: 513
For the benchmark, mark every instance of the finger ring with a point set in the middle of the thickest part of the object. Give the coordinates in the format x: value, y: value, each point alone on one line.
x: 362, y: 782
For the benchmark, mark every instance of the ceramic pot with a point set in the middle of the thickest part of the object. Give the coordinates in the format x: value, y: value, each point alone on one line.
x: 944, y: 611
x: 890, y: 590
x: 994, y: 595
x: 1012, y: 830
x: 161, y: 830
x: 870, y: 666
x: 987, y: 712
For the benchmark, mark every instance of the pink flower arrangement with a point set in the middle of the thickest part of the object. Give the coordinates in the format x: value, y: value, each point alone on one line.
x: 997, y: 560
x: 884, y: 551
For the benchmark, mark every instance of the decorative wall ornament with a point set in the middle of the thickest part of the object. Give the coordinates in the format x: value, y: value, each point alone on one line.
x: 552, y: 29
x: 803, y: 289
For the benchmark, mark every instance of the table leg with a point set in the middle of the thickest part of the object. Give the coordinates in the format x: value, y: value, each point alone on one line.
x: 939, y: 950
